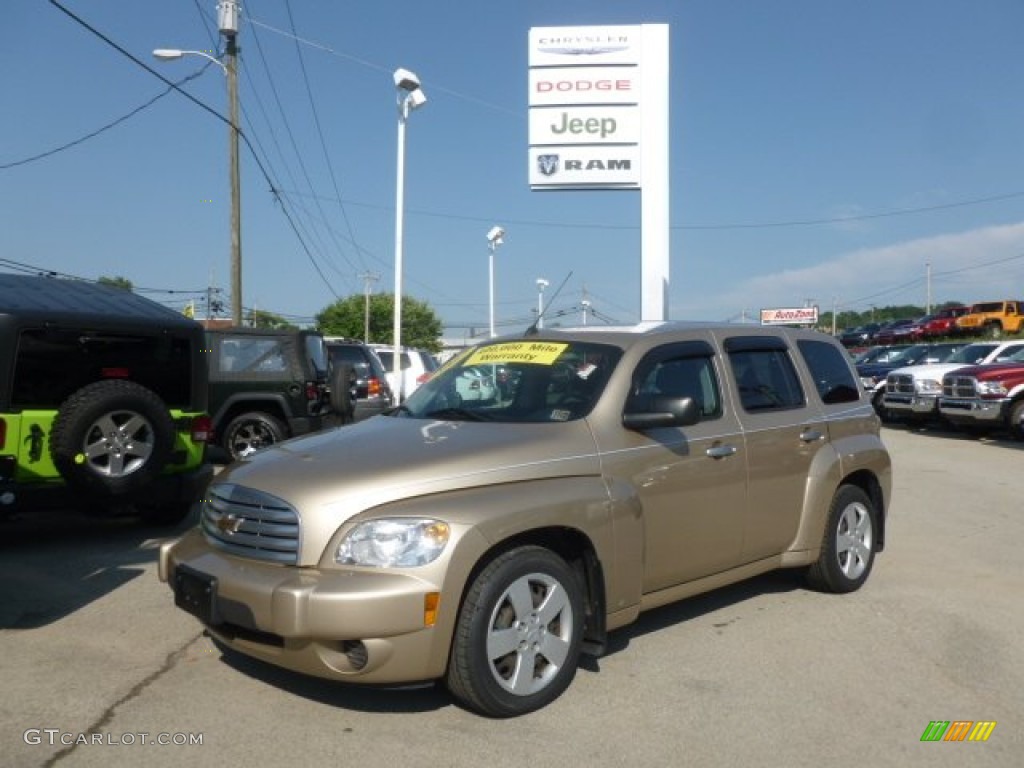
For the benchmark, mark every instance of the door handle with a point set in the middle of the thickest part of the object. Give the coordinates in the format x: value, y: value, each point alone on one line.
x: 812, y: 435
x: 721, y: 451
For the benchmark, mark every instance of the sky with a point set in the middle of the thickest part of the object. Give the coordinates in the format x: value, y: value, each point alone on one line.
x: 838, y: 154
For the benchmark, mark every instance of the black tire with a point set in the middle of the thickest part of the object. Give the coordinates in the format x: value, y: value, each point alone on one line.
x: 994, y: 330
x: 500, y: 613
x: 848, y: 546
x: 342, y: 383
x: 878, y: 403
x: 1016, y: 424
x: 251, y: 432
x: 111, y: 437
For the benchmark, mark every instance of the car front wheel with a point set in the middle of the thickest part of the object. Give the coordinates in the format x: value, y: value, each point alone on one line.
x: 848, y: 548
x: 252, y: 432
x: 518, y: 635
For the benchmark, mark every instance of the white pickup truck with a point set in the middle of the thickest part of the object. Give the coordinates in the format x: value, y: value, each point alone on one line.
x: 912, y: 393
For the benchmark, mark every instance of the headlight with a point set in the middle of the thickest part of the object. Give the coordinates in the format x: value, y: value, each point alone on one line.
x: 868, y: 382
x: 398, y: 542
x: 929, y: 387
x: 991, y: 389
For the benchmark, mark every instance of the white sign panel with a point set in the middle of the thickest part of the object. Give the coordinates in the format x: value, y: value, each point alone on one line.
x: 585, y: 125
x: 584, y: 46
x: 576, y: 85
x: 791, y: 316
x: 585, y: 166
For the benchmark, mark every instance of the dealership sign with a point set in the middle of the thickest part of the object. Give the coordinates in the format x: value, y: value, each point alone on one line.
x: 585, y: 107
x: 794, y: 316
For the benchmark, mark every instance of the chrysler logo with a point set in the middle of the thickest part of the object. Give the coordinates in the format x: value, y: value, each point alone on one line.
x: 229, y: 524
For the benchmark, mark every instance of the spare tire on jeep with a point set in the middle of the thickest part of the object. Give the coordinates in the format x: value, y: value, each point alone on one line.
x: 342, y: 386
x: 111, y: 437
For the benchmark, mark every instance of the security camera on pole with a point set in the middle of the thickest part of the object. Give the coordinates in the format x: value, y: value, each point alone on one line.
x: 410, y: 97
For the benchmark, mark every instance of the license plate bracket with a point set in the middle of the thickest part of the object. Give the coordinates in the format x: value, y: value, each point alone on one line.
x: 196, y: 593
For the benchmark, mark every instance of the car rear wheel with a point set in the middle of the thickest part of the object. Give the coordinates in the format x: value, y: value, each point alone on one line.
x: 251, y: 432
x: 111, y: 436
x: 518, y: 635
x: 848, y: 548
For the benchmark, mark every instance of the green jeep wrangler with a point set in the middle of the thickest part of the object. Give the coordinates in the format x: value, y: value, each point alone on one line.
x: 102, y: 401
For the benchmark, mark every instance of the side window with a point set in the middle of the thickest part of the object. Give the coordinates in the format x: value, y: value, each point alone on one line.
x: 684, y: 377
x: 765, y: 379
x: 830, y: 371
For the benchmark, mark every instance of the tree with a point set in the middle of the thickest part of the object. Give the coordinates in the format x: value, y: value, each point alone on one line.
x: 117, y: 282
x: 262, y: 319
x: 421, y: 327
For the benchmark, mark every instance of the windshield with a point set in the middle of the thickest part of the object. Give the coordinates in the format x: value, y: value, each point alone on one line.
x: 516, y: 382
x: 971, y: 354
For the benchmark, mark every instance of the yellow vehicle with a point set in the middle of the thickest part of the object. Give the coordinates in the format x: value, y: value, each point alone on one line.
x: 993, y: 318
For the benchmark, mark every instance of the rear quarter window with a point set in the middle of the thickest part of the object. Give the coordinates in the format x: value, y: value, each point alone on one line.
x: 831, y: 373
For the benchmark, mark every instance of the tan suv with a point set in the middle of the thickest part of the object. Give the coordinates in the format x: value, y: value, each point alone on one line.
x: 489, y: 544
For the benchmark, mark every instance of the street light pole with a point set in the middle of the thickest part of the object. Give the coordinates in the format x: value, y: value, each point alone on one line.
x: 495, y: 237
x: 541, y: 285
x: 410, y: 97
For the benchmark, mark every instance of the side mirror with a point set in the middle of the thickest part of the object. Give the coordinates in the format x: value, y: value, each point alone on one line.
x: 661, y: 411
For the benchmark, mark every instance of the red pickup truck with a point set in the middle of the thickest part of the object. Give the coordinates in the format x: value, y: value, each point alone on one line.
x: 986, y: 396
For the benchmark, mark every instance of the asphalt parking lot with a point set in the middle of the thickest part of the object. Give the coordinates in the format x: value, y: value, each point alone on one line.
x: 764, y: 673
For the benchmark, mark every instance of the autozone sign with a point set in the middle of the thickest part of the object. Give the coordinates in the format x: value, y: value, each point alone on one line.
x: 579, y: 85
x: 792, y: 316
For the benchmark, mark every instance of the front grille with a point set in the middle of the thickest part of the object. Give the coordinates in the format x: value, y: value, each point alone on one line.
x: 958, y: 386
x: 251, y: 524
x: 900, y: 384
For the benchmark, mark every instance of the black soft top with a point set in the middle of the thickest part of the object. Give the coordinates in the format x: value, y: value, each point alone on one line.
x: 32, y: 300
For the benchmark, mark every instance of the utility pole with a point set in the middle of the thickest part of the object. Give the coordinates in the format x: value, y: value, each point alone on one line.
x: 227, y: 20
x: 368, y: 278
x: 928, y: 280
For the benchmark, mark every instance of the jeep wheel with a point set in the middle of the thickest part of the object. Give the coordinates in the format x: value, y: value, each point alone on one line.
x: 111, y: 436
x: 848, y: 548
x: 251, y: 432
x: 518, y: 635
x: 994, y: 330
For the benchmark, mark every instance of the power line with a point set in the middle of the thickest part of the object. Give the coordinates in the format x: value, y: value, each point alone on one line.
x: 320, y: 134
x: 108, y: 126
x: 207, y: 108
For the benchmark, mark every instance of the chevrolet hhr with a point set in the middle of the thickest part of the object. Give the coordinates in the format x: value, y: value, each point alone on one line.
x: 488, y: 544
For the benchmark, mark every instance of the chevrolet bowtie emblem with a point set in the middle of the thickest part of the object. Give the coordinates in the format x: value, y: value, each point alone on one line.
x: 229, y: 524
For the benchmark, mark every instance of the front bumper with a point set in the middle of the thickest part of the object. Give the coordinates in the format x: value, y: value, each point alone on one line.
x: 351, y: 624
x: 917, y: 405
x: 974, y: 410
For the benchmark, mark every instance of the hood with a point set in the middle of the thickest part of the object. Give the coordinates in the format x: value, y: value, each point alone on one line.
x: 991, y: 371
x: 332, y: 475
x: 931, y: 371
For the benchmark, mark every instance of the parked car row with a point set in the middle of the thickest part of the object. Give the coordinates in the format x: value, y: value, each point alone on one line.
x: 994, y: 319
x: 979, y: 386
